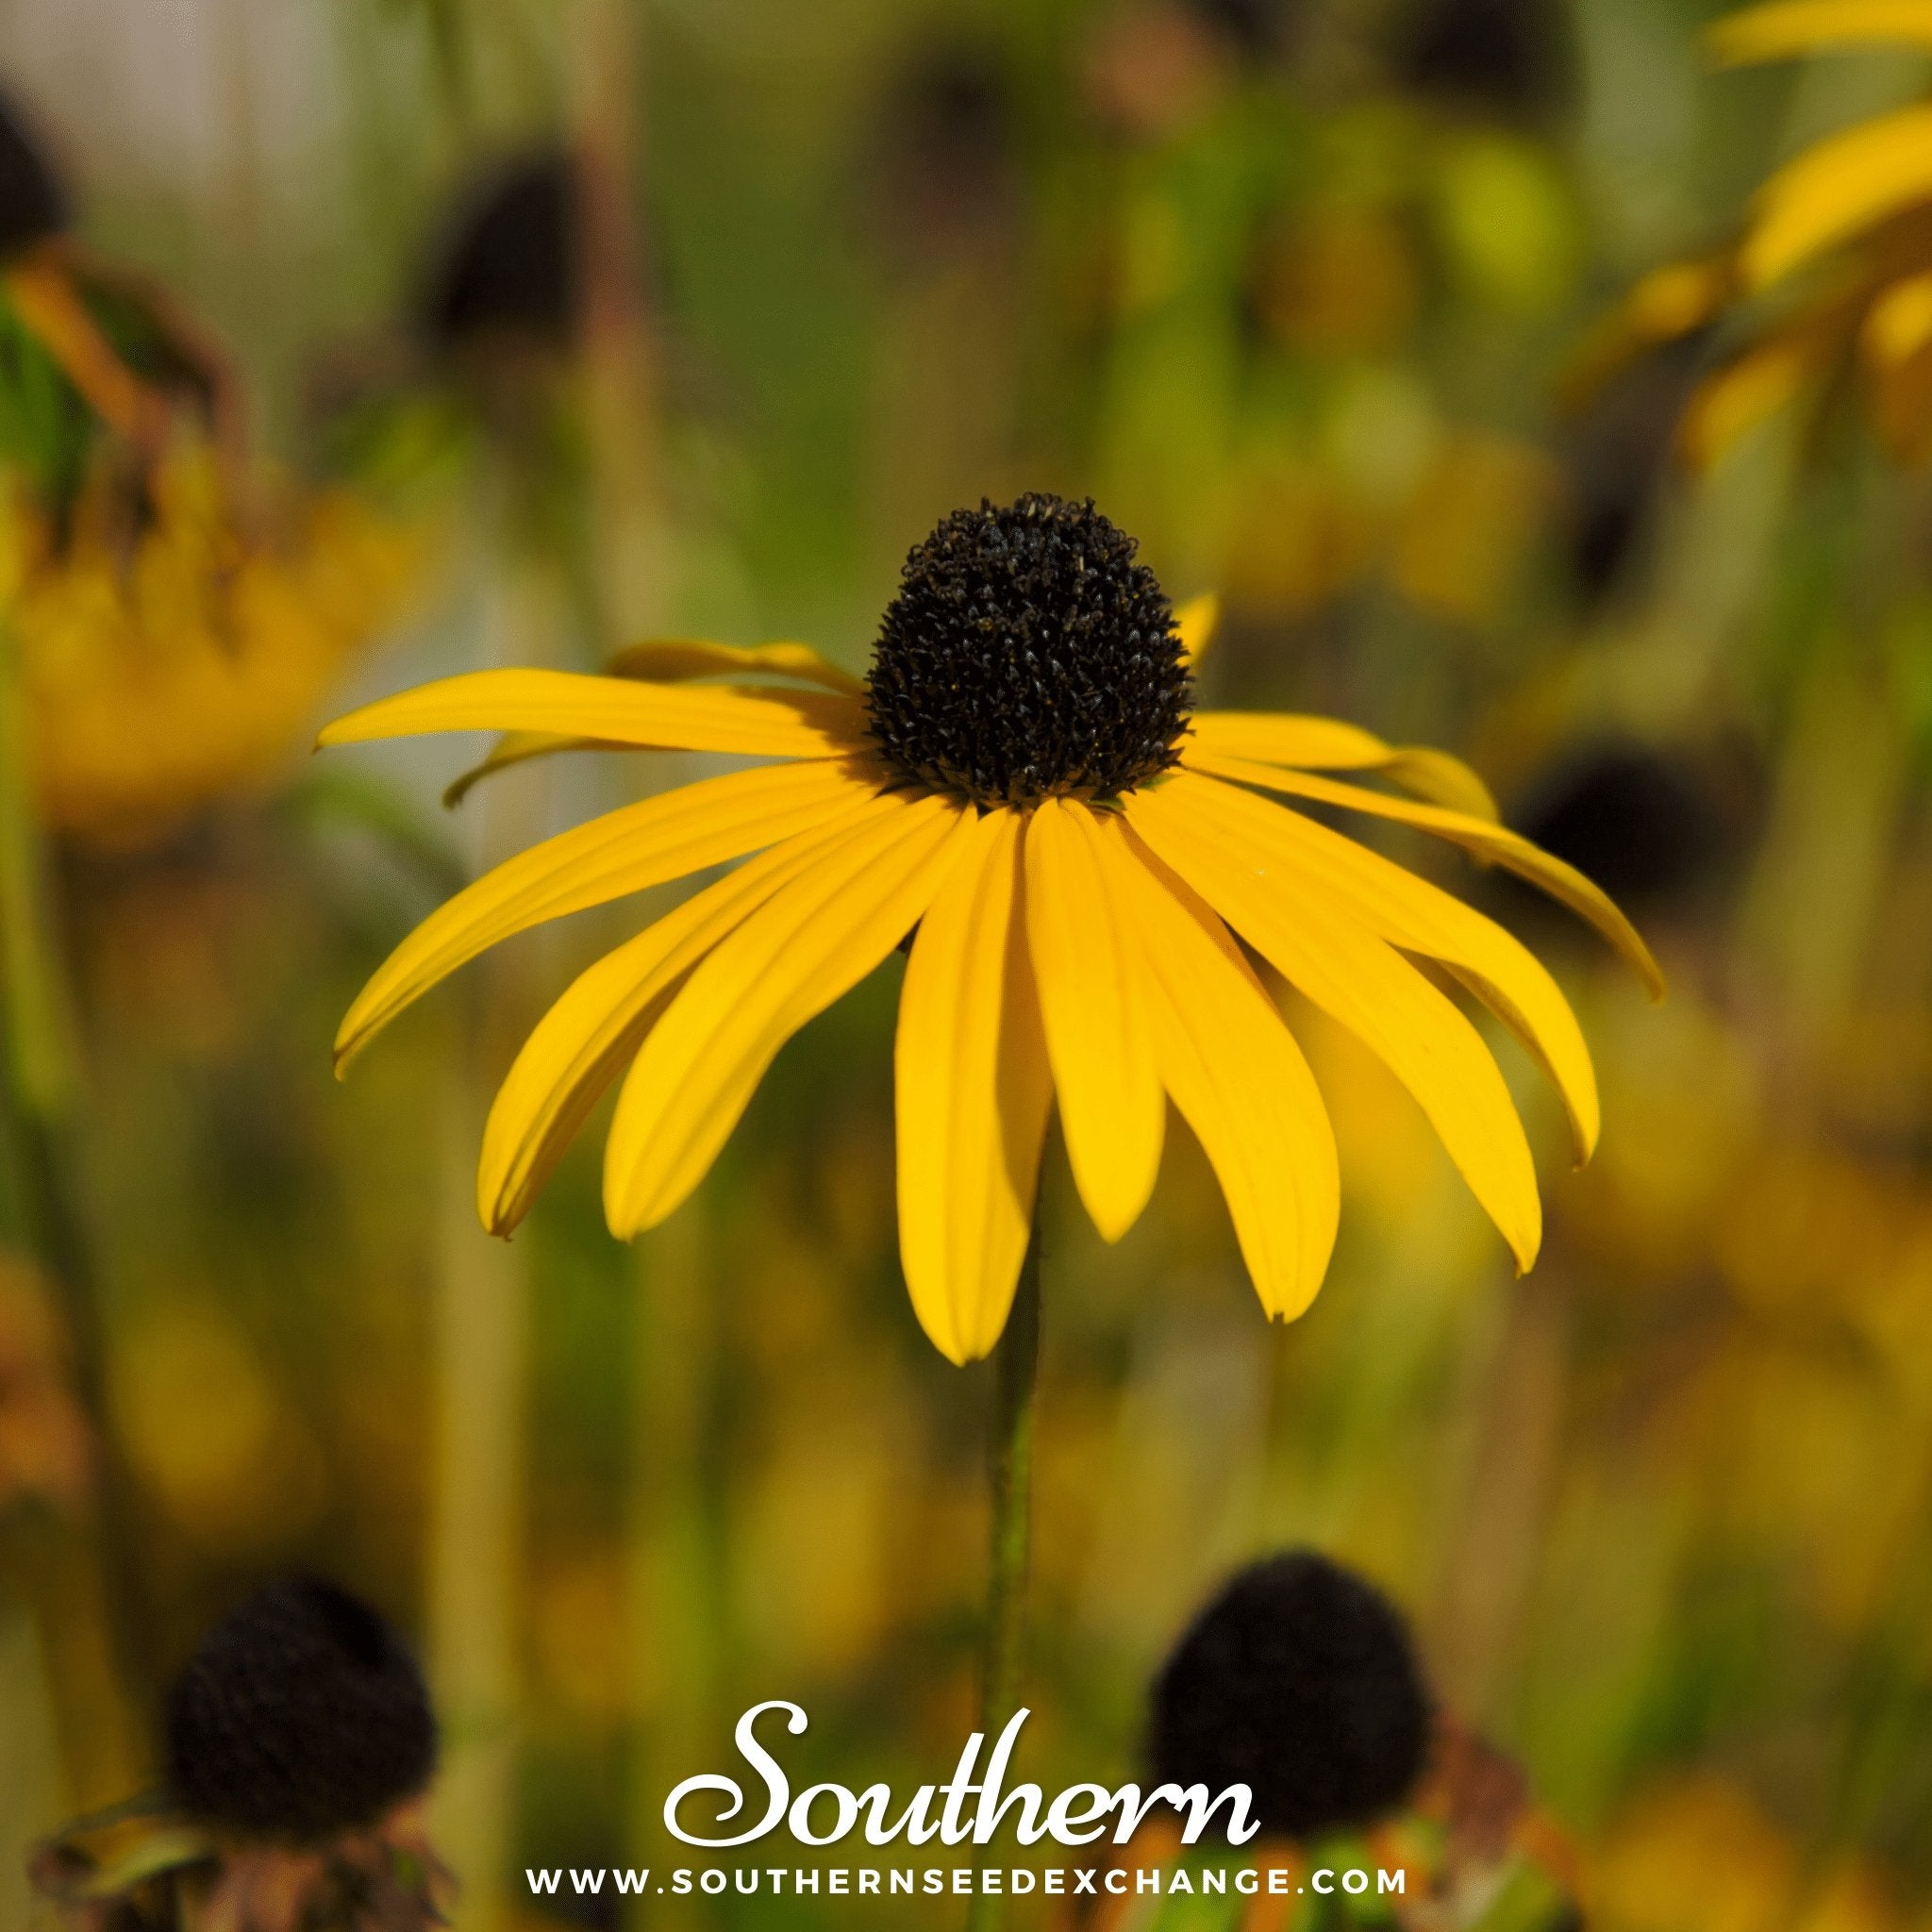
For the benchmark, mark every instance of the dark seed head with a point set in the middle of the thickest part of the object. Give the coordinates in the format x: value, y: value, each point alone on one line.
x: 1641, y: 824
x: 1298, y: 1681
x: 33, y: 205
x: 1501, y: 56
x: 301, y: 1714
x: 509, y: 273
x: 1026, y: 653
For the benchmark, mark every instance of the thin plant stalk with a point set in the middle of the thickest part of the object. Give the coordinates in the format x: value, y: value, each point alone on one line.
x: 93, y: 1621
x: 1016, y: 1383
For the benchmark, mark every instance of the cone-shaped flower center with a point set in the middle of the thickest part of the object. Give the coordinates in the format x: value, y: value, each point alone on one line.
x: 300, y: 1715
x: 1027, y: 653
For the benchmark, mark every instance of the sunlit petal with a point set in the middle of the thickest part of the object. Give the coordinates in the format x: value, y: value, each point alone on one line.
x: 973, y: 1090
x: 1239, y: 1079
x: 1366, y: 985
x: 618, y: 710
x: 624, y: 850
x: 1111, y: 1106
x: 1508, y: 849
x: 795, y: 955
x: 582, y: 1043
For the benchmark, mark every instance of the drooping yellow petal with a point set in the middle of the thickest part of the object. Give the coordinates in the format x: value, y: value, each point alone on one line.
x: 1749, y: 390
x: 1197, y: 619
x: 1310, y: 860
x: 1226, y: 1056
x: 1899, y: 323
x: 790, y: 959
x: 616, y: 710
x: 1112, y: 1109
x: 1791, y: 28
x: 1326, y: 744
x: 517, y: 748
x: 582, y: 1043
x: 1838, y: 189
x: 671, y: 661
x: 1663, y: 307
x: 973, y: 1090
x: 1508, y: 849
x: 624, y: 850
x: 1373, y: 991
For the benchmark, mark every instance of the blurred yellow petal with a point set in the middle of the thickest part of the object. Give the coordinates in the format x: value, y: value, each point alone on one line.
x: 581, y: 1045
x: 1197, y: 619
x: 1839, y: 189
x: 1745, y: 392
x: 1411, y: 914
x: 1226, y: 1056
x: 1417, y: 1032
x: 619, y: 711
x: 1327, y: 744
x: 1112, y: 1109
x: 1791, y: 28
x: 1508, y: 849
x: 796, y: 954
x: 622, y: 852
x: 1899, y: 323
x: 974, y: 1089
x: 1665, y: 305
x: 669, y: 660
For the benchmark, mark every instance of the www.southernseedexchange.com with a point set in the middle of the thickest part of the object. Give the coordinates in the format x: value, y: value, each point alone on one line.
x: 878, y: 1881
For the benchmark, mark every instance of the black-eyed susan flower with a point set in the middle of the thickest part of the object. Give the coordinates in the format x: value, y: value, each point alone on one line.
x: 1833, y: 268
x: 1083, y: 860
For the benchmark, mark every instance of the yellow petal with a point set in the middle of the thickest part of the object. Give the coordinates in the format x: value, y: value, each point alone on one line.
x: 644, y: 845
x: 973, y: 1094
x: 1839, y: 189
x: 1497, y: 843
x: 1369, y: 988
x: 1197, y: 619
x: 1790, y: 27
x: 1310, y: 860
x: 804, y: 947
x: 581, y: 1045
x: 670, y: 660
x: 1239, y: 1079
x: 1899, y: 323
x: 664, y: 660
x: 1748, y: 390
x: 1112, y: 1109
x: 1663, y: 307
x: 516, y: 748
x: 1326, y: 744
x: 617, y: 710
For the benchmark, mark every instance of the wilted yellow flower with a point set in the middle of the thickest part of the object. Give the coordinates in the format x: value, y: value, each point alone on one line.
x: 172, y: 615
x: 1022, y: 780
x: 159, y: 676
x: 1835, y: 259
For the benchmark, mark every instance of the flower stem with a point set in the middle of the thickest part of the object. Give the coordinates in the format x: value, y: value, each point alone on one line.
x: 1016, y: 1376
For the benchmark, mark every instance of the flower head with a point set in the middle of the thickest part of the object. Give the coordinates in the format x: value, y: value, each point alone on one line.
x: 300, y: 1715
x: 1020, y: 787
x: 299, y: 1741
x: 1299, y: 1681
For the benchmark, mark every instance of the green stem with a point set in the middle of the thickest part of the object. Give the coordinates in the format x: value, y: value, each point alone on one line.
x: 38, y: 1088
x: 1016, y: 1377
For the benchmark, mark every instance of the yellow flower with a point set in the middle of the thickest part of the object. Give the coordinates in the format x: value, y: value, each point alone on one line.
x: 1021, y: 784
x: 160, y: 672
x: 1835, y: 259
